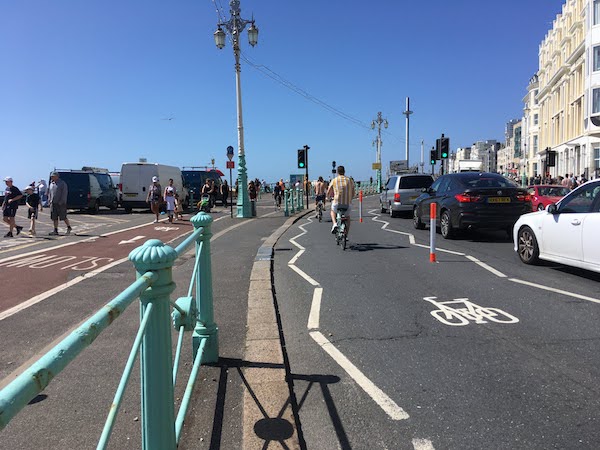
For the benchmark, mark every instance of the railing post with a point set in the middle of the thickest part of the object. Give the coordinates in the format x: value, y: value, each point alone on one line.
x: 156, y: 361
x: 206, y: 328
x: 293, y: 209
x: 301, y: 198
x: 286, y: 197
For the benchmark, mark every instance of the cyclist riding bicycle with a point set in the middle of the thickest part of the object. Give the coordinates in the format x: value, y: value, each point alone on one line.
x: 341, y: 189
x: 320, y: 190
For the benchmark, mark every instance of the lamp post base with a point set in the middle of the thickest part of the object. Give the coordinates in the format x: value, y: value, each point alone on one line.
x: 243, y: 202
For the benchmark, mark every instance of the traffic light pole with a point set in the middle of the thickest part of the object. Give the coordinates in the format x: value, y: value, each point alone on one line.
x: 306, y: 147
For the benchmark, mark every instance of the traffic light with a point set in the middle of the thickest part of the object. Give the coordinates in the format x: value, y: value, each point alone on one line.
x: 433, y: 157
x: 302, y: 162
x: 444, y: 147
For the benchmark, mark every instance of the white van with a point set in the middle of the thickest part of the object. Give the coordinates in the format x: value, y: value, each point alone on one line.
x: 137, y: 177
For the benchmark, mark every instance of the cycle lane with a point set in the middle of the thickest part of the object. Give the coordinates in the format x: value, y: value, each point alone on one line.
x: 28, y: 276
x: 505, y: 372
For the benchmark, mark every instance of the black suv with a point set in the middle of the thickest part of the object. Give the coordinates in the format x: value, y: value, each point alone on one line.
x: 195, y: 179
x: 89, y: 189
x: 472, y: 200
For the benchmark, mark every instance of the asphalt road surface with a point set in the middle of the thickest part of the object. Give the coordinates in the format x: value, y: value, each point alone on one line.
x: 391, y: 351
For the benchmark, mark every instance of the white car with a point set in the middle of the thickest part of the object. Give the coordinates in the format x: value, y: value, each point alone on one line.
x: 566, y: 232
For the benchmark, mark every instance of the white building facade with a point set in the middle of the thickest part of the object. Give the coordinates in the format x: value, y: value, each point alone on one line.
x: 569, y: 93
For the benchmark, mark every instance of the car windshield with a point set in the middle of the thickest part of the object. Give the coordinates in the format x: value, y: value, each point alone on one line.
x: 486, y: 181
x: 415, y: 182
x: 552, y: 191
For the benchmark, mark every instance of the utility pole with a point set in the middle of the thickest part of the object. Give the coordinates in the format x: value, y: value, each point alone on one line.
x: 378, y: 122
x: 407, y: 113
x: 422, y: 157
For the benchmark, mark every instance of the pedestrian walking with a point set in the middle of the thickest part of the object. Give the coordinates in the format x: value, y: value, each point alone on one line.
x: 252, y: 191
x: 57, y: 201
x: 178, y: 207
x: 33, y: 202
x: 42, y: 191
x: 225, y: 192
x: 170, y: 201
x: 154, y: 197
x: 12, y: 195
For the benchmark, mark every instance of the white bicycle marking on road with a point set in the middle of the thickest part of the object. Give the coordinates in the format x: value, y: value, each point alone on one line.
x: 449, y: 314
x: 390, y: 407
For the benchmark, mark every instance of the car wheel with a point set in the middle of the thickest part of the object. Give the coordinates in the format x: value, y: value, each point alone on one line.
x: 94, y: 209
x: 446, y: 225
x: 383, y: 210
x: 417, y: 222
x: 128, y: 209
x: 527, y: 246
x: 540, y: 207
x: 392, y: 212
x: 114, y: 205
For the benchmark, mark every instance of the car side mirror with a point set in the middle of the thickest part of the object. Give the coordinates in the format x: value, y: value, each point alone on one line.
x: 552, y: 209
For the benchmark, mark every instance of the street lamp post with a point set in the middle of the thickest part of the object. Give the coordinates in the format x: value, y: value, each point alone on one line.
x: 234, y: 26
x: 407, y: 113
x: 378, y: 122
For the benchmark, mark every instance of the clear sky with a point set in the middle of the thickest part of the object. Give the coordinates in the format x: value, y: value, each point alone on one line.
x: 96, y: 82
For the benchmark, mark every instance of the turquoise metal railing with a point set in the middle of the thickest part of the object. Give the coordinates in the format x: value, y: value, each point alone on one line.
x: 153, y: 262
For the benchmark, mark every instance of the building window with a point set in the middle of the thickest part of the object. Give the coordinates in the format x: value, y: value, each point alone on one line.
x: 596, y: 158
x: 596, y: 58
x: 536, y: 118
x: 535, y: 96
x: 596, y: 100
x: 535, y: 143
x: 596, y: 17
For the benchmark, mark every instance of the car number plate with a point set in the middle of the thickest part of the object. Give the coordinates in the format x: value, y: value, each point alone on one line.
x: 412, y: 199
x: 498, y: 199
x: 130, y: 195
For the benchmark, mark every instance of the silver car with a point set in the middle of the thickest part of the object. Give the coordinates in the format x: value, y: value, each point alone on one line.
x: 401, y: 191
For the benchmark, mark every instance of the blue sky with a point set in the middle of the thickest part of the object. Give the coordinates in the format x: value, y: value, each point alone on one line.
x: 91, y: 83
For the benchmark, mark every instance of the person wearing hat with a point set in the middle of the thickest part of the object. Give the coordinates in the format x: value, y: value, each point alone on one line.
x: 33, y: 202
x: 57, y: 201
x: 155, y: 197
x: 12, y: 195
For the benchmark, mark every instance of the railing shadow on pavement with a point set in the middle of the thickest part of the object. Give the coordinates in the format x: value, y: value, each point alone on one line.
x: 153, y: 261
x: 233, y: 363
x: 323, y: 381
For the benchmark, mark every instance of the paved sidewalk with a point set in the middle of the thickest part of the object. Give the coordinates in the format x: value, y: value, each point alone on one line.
x: 241, y: 402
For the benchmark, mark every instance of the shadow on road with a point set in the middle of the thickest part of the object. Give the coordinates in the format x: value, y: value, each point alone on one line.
x: 373, y: 246
x: 323, y: 382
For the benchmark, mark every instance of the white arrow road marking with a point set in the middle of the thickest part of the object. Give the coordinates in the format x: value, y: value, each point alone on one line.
x: 166, y: 228
x: 132, y: 240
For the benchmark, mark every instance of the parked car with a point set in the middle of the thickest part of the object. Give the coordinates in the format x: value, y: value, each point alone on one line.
x: 136, y: 177
x: 566, y: 232
x: 472, y: 200
x: 401, y: 191
x: 195, y: 179
x: 88, y: 189
x: 546, y: 194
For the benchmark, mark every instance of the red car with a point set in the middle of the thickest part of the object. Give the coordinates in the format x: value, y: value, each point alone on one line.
x: 545, y: 194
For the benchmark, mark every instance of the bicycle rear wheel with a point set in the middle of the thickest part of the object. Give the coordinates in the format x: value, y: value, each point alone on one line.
x: 344, y: 241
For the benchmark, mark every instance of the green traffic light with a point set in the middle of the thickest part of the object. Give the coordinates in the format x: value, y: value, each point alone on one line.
x: 301, y: 165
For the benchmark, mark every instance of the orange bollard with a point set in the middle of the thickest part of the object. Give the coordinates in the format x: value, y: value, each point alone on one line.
x: 360, y: 197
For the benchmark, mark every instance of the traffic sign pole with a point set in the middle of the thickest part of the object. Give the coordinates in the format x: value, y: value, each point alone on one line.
x: 230, y: 166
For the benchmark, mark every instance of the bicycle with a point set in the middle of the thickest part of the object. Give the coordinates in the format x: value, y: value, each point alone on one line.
x: 341, y: 234
x: 320, y: 210
x: 277, y: 198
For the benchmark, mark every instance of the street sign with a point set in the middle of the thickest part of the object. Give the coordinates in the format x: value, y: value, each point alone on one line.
x: 230, y: 164
x: 376, y: 166
x: 230, y: 152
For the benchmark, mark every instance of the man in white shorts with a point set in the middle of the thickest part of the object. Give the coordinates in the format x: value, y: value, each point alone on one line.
x: 341, y: 189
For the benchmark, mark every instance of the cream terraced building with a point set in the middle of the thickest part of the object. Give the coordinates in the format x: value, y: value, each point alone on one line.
x: 565, y: 95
